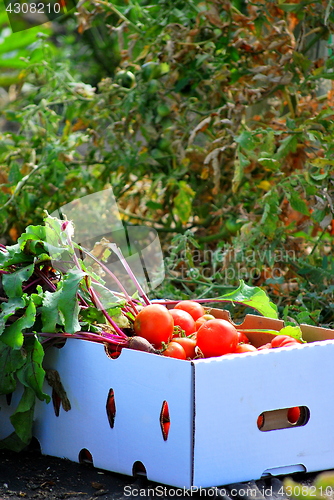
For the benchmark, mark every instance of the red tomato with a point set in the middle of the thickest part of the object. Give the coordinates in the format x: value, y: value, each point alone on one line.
x: 174, y: 350
x: 193, y: 308
x: 277, y: 341
x: 183, y: 320
x: 294, y: 414
x: 217, y: 337
x: 260, y: 421
x: 155, y: 323
x: 245, y: 348
x: 243, y: 338
x: 288, y: 342
x: 200, y: 321
x: 265, y: 346
x: 188, y: 345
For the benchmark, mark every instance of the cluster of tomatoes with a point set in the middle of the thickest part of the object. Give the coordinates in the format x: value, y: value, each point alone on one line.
x: 188, y: 332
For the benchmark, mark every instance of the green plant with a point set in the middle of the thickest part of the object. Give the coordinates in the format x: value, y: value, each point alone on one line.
x: 49, y: 293
x: 215, y: 118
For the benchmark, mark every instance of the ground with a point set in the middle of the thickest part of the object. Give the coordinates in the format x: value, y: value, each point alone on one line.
x: 29, y: 475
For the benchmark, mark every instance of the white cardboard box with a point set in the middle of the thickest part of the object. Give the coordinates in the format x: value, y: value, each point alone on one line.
x: 213, y: 406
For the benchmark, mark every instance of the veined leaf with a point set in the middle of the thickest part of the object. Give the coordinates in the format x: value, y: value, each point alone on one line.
x: 8, y: 309
x: 246, y: 140
x: 12, y: 283
x: 13, y: 334
x: 62, y: 306
x: 293, y: 331
x: 11, y: 360
x: 288, y: 145
x: 297, y: 203
x: 254, y: 297
x: 12, y: 256
x: 32, y: 374
x: 23, y: 416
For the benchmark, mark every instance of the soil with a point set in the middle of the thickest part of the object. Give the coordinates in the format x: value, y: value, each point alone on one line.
x: 30, y: 475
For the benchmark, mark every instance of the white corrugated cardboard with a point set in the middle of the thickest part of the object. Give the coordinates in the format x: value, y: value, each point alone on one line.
x: 213, y: 406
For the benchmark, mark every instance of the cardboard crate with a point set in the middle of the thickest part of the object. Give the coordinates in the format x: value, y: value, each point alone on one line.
x: 213, y: 405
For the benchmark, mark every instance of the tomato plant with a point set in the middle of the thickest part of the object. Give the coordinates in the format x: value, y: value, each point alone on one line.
x: 195, y: 309
x: 183, y: 320
x: 217, y: 337
x: 155, y: 323
x: 174, y: 350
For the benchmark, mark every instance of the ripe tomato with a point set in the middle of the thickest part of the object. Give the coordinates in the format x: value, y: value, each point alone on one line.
x: 260, y: 421
x: 245, y: 348
x: 183, y: 320
x: 279, y: 339
x: 188, y: 345
x: 202, y: 319
x: 294, y: 414
x: 174, y: 350
x: 265, y: 346
x: 217, y: 337
x: 193, y: 308
x: 155, y: 323
x: 243, y: 338
x: 288, y: 342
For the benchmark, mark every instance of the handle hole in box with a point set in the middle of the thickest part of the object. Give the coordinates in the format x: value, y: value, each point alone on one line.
x: 164, y: 420
x: 111, y: 408
x: 112, y: 351
x: 283, y: 418
x: 139, y: 469
x: 85, y: 457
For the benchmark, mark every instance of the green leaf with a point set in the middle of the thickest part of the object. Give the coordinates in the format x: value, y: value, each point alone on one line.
x: 293, y: 331
x: 13, y: 256
x: 12, y: 442
x: 183, y: 202
x: 239, y: 165
x: 26, y: 38
x: 254, y: 297
x: 246, y: 141
x: 23, y: 416
x: 13, y: 334
x: 291, y: 7
x: 32, y: 233
x: 10, y: 361
x: 297, y: 203
x: 269, y: 163
x: 107, y: 297
x: 62, y: 306
x: 32, y: 374
x: 8, y: 309
x: 12, y: 283
x: 288, y: 145
x: 13, y: 63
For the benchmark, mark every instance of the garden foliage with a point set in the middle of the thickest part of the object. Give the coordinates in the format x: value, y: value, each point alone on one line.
x: 212, y: 121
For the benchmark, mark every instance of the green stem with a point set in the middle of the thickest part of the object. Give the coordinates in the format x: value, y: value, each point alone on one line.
x: 119, y: 14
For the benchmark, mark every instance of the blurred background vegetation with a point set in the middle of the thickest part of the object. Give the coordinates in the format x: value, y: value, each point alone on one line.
x: 213, y: 122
